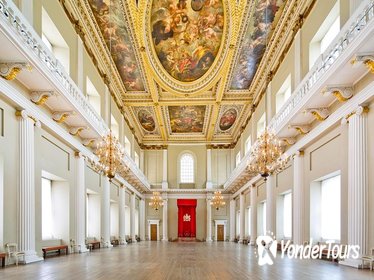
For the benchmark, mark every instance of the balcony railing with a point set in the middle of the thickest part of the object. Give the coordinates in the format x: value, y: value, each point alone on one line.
x: 32, y: 42
x: 347, y: 35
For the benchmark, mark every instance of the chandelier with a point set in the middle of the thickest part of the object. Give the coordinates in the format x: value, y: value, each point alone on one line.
x: 217, y: 200
x: 110, y: 153
x: 156, y: 201
x: 266, y: 155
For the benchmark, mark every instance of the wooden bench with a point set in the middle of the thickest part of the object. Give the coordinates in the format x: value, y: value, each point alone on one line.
x: 2, y: 257
x: 55, y: 248
x: 93, y: 244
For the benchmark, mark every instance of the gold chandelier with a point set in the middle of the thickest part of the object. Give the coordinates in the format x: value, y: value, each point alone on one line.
x: 156, y: 201
x: 110, y: 153
x: 217, y: 200
x: 266, y: 155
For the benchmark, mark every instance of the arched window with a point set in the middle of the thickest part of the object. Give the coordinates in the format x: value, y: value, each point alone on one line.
x: 187, y: 168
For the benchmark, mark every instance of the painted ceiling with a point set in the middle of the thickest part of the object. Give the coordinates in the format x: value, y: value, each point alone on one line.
x: 184, y: 69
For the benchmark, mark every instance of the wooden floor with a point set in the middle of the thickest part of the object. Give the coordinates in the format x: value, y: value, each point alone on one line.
x: 159, y: 260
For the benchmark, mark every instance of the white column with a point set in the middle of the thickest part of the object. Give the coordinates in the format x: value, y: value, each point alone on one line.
x: 253, y: 195
x: 142, y: 219
x: 270, y: 204
x: 209, y: 184
x: 105, y: 212
x: 165, y: 219
x: 26, y: 188
x: 132, y: 217
x: 208, y: 220
x: 122, y: 215
x: 242, y: 217
x: 232, y: 219
x: 165, y: 184
x: 358, y: 185
x: 80, y: 205
x: 298, y: 198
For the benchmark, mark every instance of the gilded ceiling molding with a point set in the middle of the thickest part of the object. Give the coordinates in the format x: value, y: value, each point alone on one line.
x: 300, y: 128
x: 366, y: 59
x: 10, y: 70
x: 341, y: 92
x: 40, y: 97
x: 153, y: 147
x: 76, y: 130
x: 220, y: 146
x: 61, y: 116
x: 320, y: 114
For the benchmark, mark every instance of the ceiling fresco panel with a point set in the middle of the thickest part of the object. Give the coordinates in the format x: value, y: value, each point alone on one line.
x: 145, y: 115
x: 112, y: 25
x: 187, y: 119
x: 254, y: 44
x: 187, y: 35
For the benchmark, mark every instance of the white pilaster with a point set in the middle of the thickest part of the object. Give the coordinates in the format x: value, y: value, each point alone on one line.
x: 253, y: 198
x: 26, y: 188
x: 141, y: 160
x: 80, y: 205
x: 26, y: 7
x: 122, y: 215
x: 270, y: 204
x: 242, y: 217
x: 165, y: 219
x: 208, y: 220
x: 132, y: 216
x: 142, y: 219
x: 80, y: 71
x: 298, y: 198
x: 105, y: 212
x: 297, y: 62
x: 165, y: 184
x: 105, y: 108
x: 358, y: 185
x: 209, y: 184
x: 232, y: 219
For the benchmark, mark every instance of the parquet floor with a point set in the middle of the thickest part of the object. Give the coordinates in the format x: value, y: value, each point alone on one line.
x: 159, y: 260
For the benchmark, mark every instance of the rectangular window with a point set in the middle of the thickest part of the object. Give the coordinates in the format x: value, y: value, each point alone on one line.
x: 114, y: 127
x: 93, y: 96
x: 330, y: 208
x: 237, y: 159
x: 127, y: 146
x: 283, y: 94
x: 248, y: 145
x: 261, y: 125
x: 47, y: 221
x: 287, y: 215
x: 137, y: 160
x: 326, y: 33
x: 54, y: 41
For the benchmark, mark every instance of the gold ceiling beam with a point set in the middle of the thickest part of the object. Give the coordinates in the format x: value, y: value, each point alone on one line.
x: 136, y: 19
x: 237, y: 15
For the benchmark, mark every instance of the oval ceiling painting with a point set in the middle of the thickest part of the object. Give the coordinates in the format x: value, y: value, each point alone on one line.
x: 146, y: 120
x: 187, y: 35
x: 228, y: 119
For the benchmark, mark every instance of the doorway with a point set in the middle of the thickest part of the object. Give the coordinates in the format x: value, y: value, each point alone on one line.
x: 220, y: 232
x: 153, y: 232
